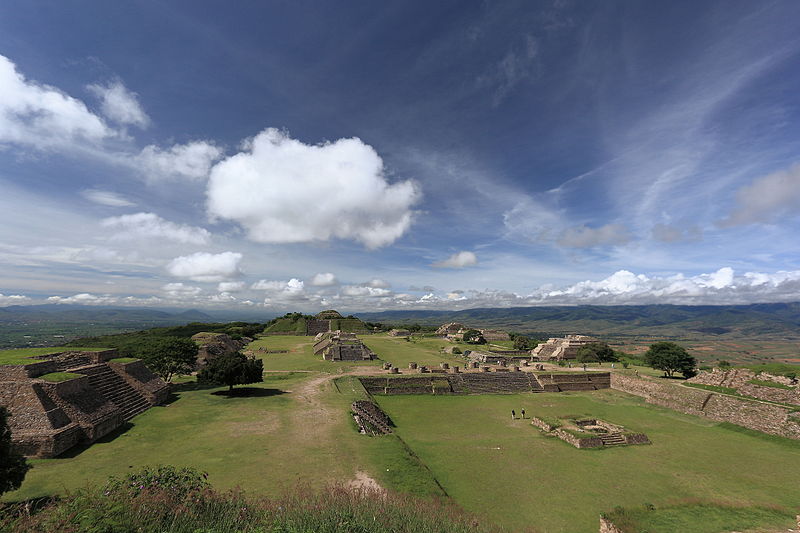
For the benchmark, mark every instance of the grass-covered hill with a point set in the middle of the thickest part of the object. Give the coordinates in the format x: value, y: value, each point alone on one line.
x: 289, y: 324
x: 130, y: 344
x: 781, y: 319
x: 295, y: 324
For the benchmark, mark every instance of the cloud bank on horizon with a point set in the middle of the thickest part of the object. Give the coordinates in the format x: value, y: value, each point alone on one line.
x: 536, y: 169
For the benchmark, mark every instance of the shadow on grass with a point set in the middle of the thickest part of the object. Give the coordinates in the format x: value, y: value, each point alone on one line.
x: 80, y: 448
x: 248, y: 392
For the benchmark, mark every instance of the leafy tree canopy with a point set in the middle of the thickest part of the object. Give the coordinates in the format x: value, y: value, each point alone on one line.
x: 521, y: 342
x: 13, y: 466
x: 473, y: 336
x: 169, y: 356
x: 596, y: 352
x: 670, y: 358
x: 232, y: 369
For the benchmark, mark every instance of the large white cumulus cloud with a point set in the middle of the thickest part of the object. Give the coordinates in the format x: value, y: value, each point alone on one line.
x: 203, y: 266
x: 38, y: 115
x: 282, y: 190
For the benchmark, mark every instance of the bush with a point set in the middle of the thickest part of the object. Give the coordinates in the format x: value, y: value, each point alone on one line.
x: 13, y: 466
x: 179, y: 482
x: 456, y: 350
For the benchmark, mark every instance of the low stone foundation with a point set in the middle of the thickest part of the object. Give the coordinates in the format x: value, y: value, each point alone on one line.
x: 440, y: 381
x: 590, y: 433
x: 765, y: 417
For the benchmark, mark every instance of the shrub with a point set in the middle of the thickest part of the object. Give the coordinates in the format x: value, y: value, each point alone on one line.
x: 13, y: 466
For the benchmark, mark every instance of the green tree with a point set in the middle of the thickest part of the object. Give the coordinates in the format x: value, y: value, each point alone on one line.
x: 523, y: 343
x: 596, y: 352
x: 670, y: 358
x: 169, y: 356
x: 13, y: 466
x: 232, y: 369
x: 724, y: 364
x: 473, y: 336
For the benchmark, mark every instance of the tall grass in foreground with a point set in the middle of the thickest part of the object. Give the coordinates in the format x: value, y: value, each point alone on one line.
x: 158, y: 504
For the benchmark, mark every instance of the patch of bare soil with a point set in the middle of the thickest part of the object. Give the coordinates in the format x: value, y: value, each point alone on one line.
x: 364, y: 482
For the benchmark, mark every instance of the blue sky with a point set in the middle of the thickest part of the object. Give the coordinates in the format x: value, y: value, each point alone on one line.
x: 299, y: 155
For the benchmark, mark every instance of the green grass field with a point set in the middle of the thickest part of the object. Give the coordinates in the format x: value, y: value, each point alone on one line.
x: 296, y: 428
x: 517, y: 476
x: 264, y: 443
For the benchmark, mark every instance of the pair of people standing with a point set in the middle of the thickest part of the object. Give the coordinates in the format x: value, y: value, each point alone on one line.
x: 514, y: 414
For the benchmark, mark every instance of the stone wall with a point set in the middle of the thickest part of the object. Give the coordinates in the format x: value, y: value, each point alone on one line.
x: 138, y: 376
x: 769, y: 418
x: 739, y: 379
x: 95, y: 415
x: 484, y: 383
x: 48, y: 418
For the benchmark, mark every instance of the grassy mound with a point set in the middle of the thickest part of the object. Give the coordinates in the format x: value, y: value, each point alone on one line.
x: 288, y: 325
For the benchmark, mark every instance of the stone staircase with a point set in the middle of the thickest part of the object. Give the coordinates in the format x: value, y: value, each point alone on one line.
x: 317, y: 326
x: 613, y: 439
x: 115, y: 389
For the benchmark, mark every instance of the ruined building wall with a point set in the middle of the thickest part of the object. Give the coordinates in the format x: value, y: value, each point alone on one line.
x: 769, y: 418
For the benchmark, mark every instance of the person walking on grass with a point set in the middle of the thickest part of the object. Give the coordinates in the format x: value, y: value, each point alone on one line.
x: 513, y: 415
x: 523, y: 414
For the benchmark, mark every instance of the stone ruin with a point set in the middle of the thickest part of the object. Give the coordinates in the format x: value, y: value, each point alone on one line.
x: 506, y: 357
x: 48, y: 418
x: 501, y: 381
x: 341, y: 346
x: 451, y: 328
x: 212, y: 345
x: 762, y: 386
x: 399, y: 333
x: 495, y: 335
x: 561, y: 349
x: 454, y: 331
x: 370, y: 418
x: 589, y: 432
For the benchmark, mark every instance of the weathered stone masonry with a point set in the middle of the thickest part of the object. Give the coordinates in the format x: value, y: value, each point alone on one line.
x: 769, y: 418
x: 49, y: 418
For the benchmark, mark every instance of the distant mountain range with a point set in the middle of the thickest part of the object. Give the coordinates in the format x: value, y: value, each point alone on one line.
x: 54, y: 324
x: 780, y: 319
x: 60, y: 312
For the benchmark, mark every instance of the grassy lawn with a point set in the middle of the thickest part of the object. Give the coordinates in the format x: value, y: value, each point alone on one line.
x: 263, y: 443
x: 516, y: 476
x: 22, y: 356
x: 296, y: 428
x: 424, y: 351
x: 300, y: 355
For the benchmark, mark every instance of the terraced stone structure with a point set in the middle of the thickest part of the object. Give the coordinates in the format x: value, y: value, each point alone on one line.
x: 508, y: 382
x: 64, y: 399
x: 561, y: 349
x: 341, y: 346
x: 370, y: 418
x: 589, y: 432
